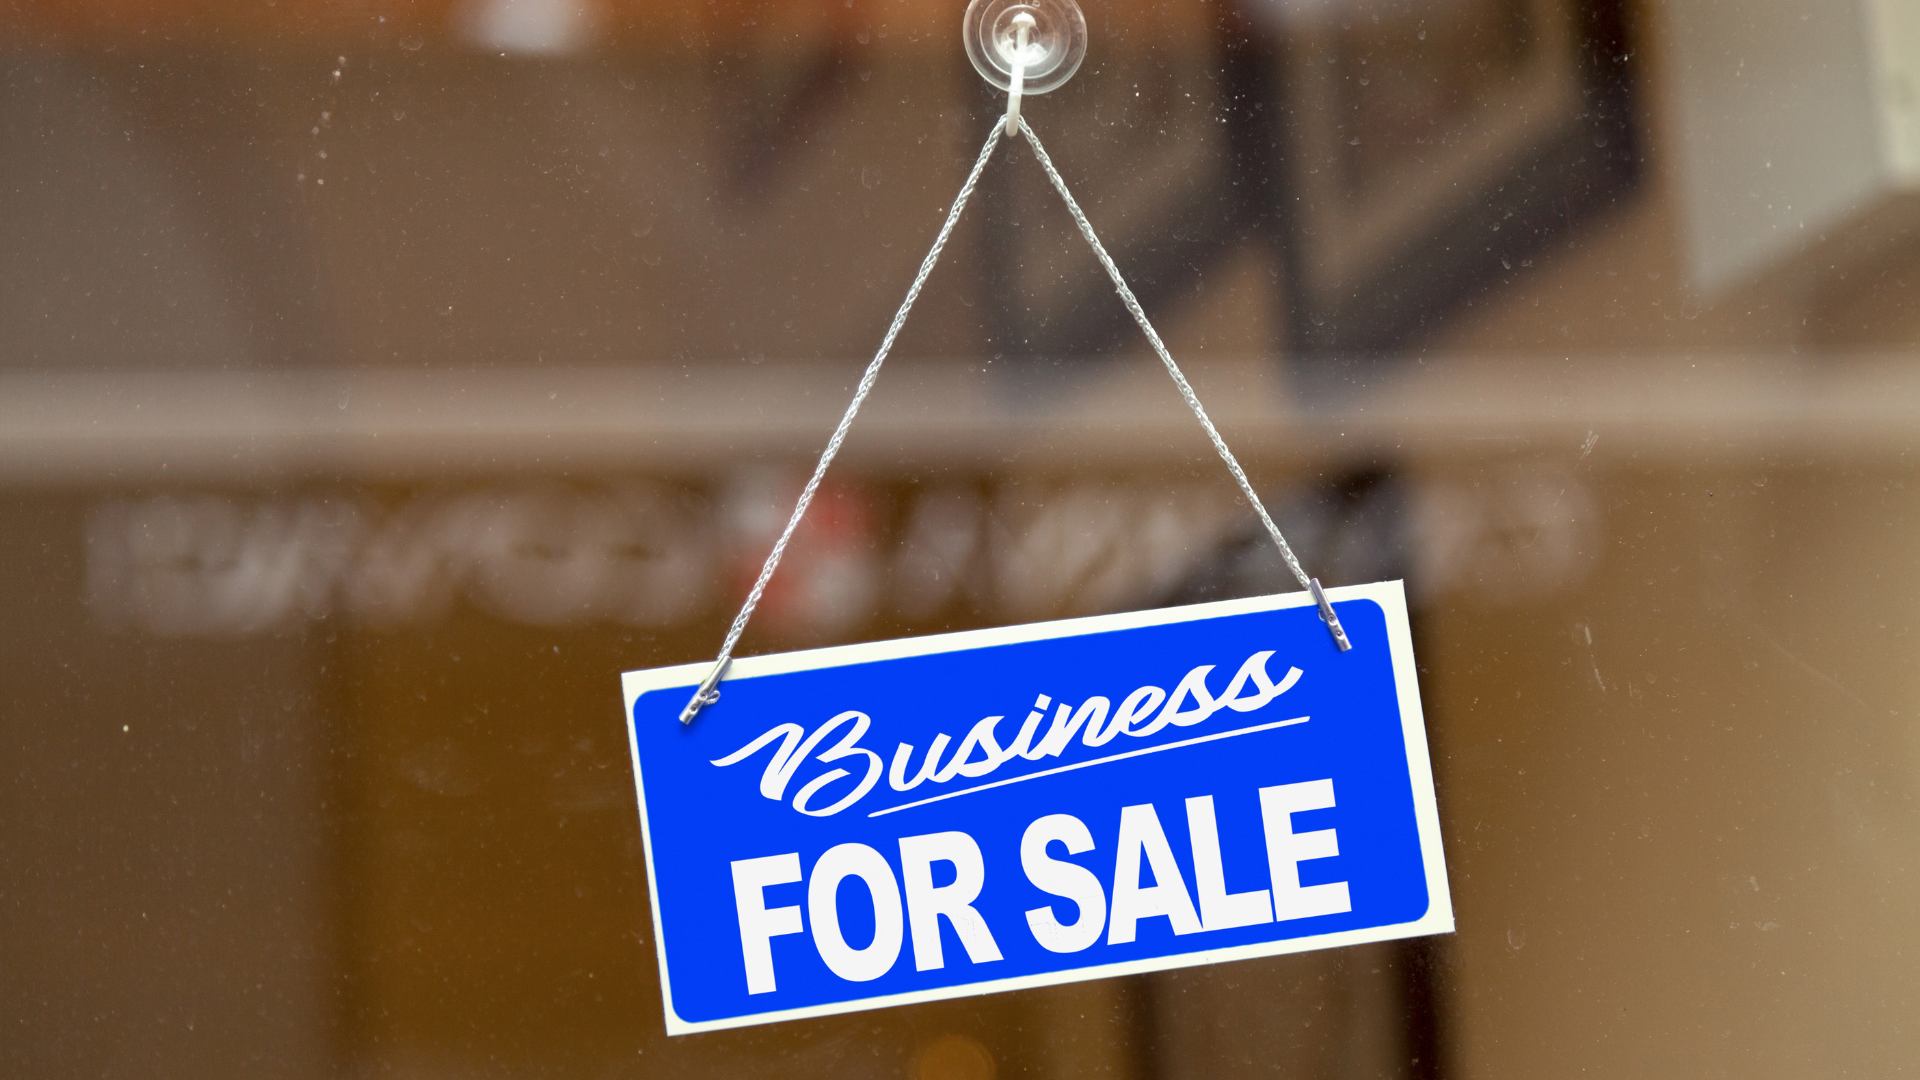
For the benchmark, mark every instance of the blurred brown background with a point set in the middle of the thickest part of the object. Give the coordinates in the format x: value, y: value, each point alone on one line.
x: 378, y: 381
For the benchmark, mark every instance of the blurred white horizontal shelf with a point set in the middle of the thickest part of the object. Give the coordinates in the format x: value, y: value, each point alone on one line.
x: 140, y: 428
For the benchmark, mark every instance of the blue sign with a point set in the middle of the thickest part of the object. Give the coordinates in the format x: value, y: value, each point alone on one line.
x: 874, y: 825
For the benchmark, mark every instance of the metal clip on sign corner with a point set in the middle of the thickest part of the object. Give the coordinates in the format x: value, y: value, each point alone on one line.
x: 709, y: 691
x: 1327, y: 616
x: 1022, y: 47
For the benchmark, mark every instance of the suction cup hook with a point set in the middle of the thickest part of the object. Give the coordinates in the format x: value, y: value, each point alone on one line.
x: 1024, y: 46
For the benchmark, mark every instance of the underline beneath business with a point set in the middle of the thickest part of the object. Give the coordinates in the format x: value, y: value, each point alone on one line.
x: 1195, y: 741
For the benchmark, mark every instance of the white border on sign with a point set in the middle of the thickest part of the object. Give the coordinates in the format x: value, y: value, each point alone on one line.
x: 1390, y: 595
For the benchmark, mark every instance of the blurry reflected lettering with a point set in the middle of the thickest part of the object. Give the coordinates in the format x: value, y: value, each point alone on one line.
x: 646, y: 555
x: 940, y: 554
x: 1099, y: 548
x: 830, y: 580
x: 209, y: 565
x: 191, y: 566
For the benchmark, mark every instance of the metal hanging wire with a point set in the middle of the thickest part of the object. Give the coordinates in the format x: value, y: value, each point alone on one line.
x: 709, y: 689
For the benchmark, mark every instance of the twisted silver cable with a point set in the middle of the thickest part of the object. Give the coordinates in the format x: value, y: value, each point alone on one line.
x: 1173, y: 369
x: 708, y: 691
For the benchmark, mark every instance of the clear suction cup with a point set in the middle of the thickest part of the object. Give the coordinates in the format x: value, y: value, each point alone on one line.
x: 1056, y: 42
